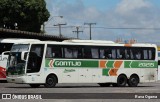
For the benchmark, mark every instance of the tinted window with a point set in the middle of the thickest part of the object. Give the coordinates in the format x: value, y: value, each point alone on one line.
x: 70, y: 52
x: 101, y: 52
x: 35, y: 58
x: 53, y: 51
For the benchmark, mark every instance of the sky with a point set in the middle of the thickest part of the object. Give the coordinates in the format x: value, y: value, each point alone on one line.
x: 107, y: 14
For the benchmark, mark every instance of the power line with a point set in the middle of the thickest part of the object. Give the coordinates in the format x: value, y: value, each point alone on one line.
x: 128, y: 28
x: 77, y: 31
x: 45, y: 23
x: 90, y: 24
x: 59, y: 25
x: 113, y: 28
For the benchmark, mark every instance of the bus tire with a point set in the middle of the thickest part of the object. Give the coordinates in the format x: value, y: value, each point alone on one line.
x: 104, y: 84
x: 51, y: 81
x: 34, y: 85
x: 121, y: 81
x: 133, y: 81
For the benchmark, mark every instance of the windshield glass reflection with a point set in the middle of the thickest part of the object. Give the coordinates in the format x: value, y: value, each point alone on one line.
x: 16, y: 66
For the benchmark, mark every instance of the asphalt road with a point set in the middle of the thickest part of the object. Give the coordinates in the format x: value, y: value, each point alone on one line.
x: 83, y: 92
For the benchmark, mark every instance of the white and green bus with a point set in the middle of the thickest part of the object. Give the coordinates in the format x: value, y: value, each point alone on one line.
x: 82, y: 61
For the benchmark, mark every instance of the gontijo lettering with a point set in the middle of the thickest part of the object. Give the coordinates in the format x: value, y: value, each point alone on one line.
x: 67, y: 63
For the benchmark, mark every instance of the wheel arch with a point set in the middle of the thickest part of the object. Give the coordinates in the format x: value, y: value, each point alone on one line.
x: 122, y: 74
x: 134, y: 74
x: 53, y: 75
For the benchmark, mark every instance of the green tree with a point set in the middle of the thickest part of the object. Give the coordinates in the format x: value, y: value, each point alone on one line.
x: 28, y: 14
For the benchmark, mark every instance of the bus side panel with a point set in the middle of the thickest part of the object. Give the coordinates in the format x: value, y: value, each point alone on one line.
x: 69, y: 75
x: 98, y: 77
x: 55, y: 71
x: 85, y: 75
x: 129, y: 71
x: 149, y: 75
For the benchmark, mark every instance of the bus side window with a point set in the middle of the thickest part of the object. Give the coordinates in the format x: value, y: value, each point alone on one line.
x: 122, y: 53
x: 102, y: 54
x: 151, y: 54
x: 95, y: 53
x: 57, y: 52
x: 113, y: 54
x: 79, y: 52
x: 68, y: 53
x: 138, y: 55
x: 108, y: 54
x: 71, y: 52
x: 49, y: 52
x: 145, y: 54
x: 74, y: 52
x: 119, y: 56
x: 53, y: 51
x: 87, y: 53
x: 131, y: 54
x: 127, y: 54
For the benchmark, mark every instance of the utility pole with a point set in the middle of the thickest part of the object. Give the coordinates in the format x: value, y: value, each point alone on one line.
x: 45, y: 23
x: 90, y: 24
x: 59, y: 25
x: 77, y: 31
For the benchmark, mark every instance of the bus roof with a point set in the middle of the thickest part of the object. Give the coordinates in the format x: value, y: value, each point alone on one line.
x: 17, y: 40
x: 90, y: 41
x: 92, y: 44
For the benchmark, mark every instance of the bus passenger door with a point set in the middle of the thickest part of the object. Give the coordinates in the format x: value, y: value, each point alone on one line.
x: 35, y: 62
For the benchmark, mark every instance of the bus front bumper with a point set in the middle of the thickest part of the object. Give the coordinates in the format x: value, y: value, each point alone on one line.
x: 19, y: 79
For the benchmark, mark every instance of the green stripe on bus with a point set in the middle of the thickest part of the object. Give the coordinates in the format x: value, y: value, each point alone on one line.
x: 72, y: 63
x: 95, y: 64
x: 127, y: 64
x: 110, y: 64
x: 105, y: 72
x: 140, y: 64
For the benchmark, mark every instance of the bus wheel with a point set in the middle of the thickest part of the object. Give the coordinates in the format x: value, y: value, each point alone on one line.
x: 34, y: 85
x: 133, y: 81
x: 51, y: 81
x: 121, y: 81
x: 104, y: 84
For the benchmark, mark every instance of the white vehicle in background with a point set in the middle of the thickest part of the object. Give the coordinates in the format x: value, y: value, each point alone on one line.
x: 5, y: 45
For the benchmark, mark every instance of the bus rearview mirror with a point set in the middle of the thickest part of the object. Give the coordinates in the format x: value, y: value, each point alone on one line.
x: 5, y: 53
x: 24, y: 55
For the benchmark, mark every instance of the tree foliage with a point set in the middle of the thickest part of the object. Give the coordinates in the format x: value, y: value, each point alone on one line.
x: 28, y: 14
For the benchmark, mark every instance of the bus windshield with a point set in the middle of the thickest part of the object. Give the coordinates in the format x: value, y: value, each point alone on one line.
x: 16, y: 66
x: 20, y: 47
